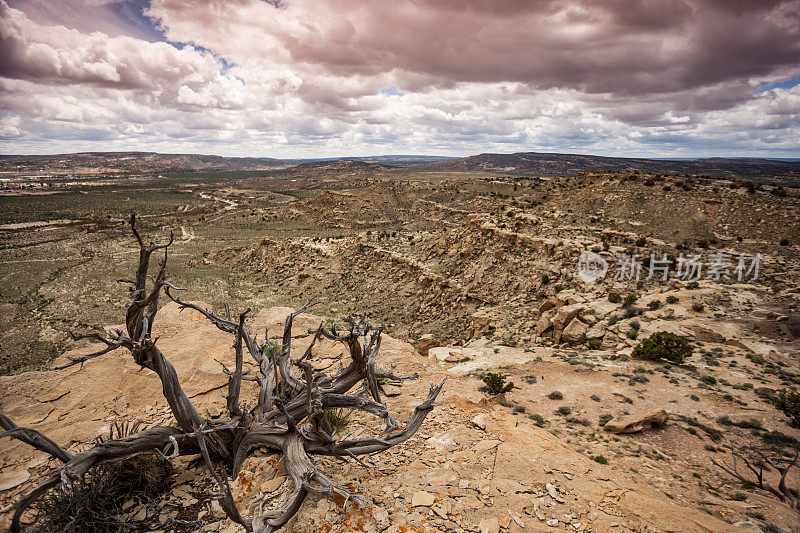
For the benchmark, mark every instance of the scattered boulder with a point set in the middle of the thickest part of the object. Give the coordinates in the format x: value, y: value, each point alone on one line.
x: 543, y: 325
x: 548, y: 304
x: 638, y: 422
x: 425, y: 343
x: 574, y: 331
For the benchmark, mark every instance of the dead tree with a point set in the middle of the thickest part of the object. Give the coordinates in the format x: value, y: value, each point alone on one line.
x: 288, y: 417
x: 758, y: 463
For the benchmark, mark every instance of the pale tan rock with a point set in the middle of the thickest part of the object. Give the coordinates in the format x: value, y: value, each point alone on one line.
x: 543, y: 325
x: 273, y: 484
x: 13, y: 478
x: 425, y: 343
x: 422, y: 498
x: 574, y: 331
x: 638, y: 422
x: 489, y: 525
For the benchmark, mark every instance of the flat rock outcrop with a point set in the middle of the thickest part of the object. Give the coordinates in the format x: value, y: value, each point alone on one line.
x: 454, y: 475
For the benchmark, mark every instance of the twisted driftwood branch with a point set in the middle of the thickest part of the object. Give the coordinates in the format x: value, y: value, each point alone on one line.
x: 288, y: 417
x: 779, y: 461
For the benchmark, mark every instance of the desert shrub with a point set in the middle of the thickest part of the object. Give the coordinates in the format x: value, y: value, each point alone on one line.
x: 641, y: 241
x: 595, y: 344
x: 604, y: 419
x: 556, y: 395
x: 663, y: 346
x: 633, y: 333
x: 671, y: 299
x: 778, y: 440
x: 613, y: 319
x: 638, y: 379
x: 95, y: 504
x: 576, y: 420
x: 338, y: 418
x: 495, y: 383
x: 750, y: 423
x: 595, y: 398
x: 633, y: 311
x: 698, y: 307
x: 614, y: 297
x: 630, y: 299
x: 600, y: 459
x: 709, y: 380
x: 653, y: 305
x: 725, y: 420
x: 564, y: 410
x: 537, y: 419
x: 788, y: 402
x: 692, y: 285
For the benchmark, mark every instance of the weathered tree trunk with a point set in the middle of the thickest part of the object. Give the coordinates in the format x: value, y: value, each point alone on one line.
x: 288, y: 417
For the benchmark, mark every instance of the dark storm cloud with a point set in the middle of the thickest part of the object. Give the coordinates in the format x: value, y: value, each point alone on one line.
x: 343, y: 76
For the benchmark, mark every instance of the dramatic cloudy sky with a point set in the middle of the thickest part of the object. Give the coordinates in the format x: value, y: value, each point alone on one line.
x: 313, y: 78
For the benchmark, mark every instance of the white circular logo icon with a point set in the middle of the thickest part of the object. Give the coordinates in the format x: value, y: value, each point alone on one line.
x: 591, y: 266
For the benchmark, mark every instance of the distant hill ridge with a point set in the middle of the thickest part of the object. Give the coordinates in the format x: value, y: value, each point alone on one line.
x: 550, y: 164
x: 522, y: 163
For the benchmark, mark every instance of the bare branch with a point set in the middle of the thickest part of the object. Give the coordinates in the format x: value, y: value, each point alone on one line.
x: 289, y: 417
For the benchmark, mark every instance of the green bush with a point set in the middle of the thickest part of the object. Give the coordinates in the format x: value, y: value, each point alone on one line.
x: 614, y: 297
x: 338, y: 418
x: 595, y: 344
x: 600, y: 459
x: 563, y: 410
x: 604, y: 419
x: 538, y: 419
x: 692, y: 285
x: 697, y: 307
x: 556, y: 395
x: 671, y: 299
x: 653, y: 305
x: 663, y: 346
x: 495, y: 383
x: 750, y: 423
x: 788, y: 401
x: 630, y: 299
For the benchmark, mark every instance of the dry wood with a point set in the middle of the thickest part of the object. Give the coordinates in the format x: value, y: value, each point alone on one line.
x: 758, y: 462
x: 288, y: 417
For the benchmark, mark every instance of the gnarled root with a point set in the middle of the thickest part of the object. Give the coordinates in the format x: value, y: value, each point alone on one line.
x: 289, y: 417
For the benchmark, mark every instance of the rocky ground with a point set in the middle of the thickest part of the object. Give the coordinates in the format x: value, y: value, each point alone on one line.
x: 479, y: 463
x: 469, y: 275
